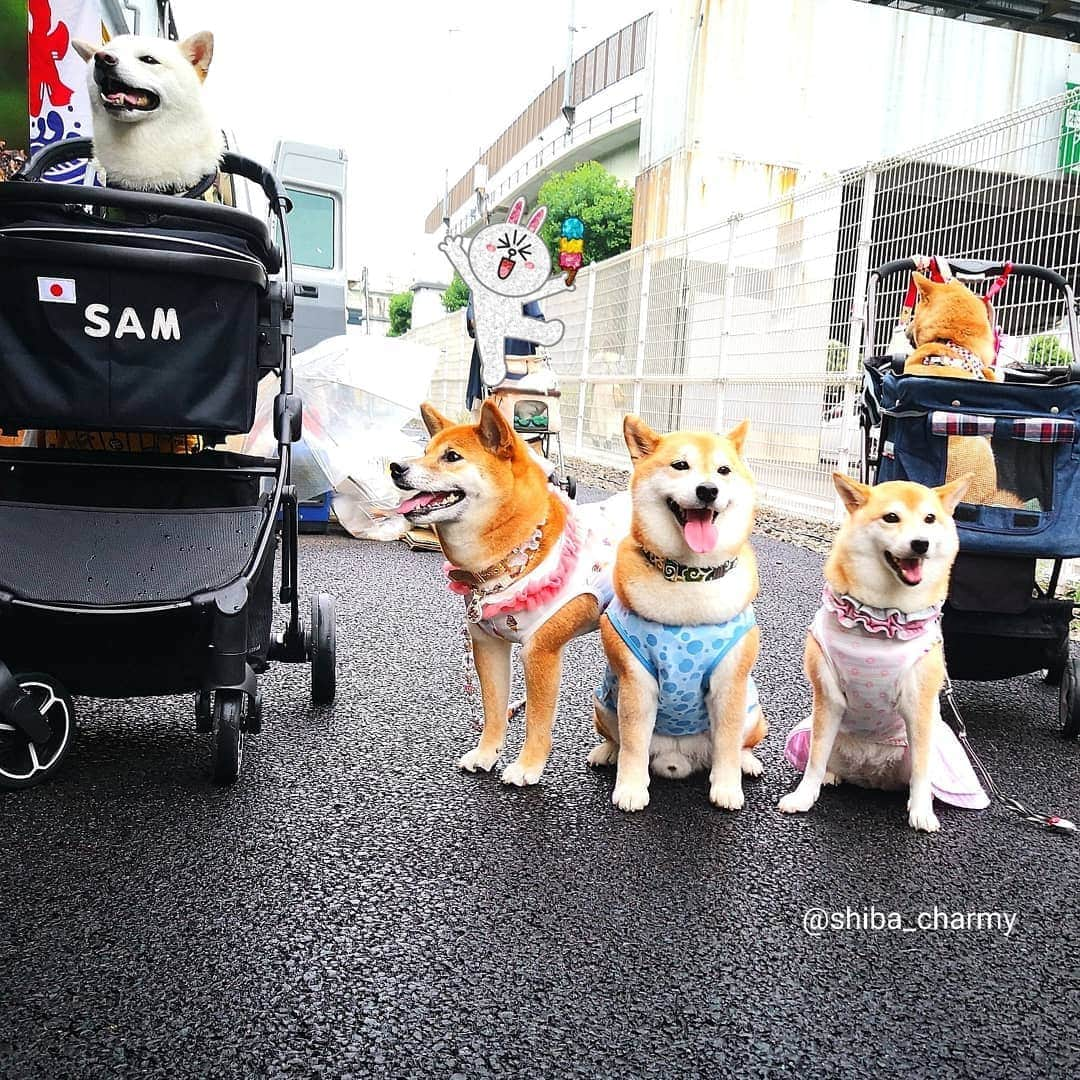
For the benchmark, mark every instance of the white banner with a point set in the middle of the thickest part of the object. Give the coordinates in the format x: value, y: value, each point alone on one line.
x: 59, y: 103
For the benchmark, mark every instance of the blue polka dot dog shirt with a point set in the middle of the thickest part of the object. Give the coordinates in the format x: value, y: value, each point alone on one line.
x: 681, y: 659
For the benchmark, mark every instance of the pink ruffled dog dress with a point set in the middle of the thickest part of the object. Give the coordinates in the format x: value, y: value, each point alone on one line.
x: 871, y: 651
x: 579, y: 564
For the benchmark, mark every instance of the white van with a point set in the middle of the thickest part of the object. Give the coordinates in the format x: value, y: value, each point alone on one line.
x: 314, y: 178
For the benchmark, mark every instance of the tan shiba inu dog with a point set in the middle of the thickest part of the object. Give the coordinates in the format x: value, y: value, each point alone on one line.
x: 152, y: 131
x: 680, y: 635
x: 534, y: 570
x: 874, y: 654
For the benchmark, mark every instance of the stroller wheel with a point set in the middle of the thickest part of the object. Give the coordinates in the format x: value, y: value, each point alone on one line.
x: 1056, y: 669
x: 570, y: 486
x: 25, y: 763
x: 1069, y: 700
x: 204, y: 719
x: 228, y: 736
x: 322, y: 650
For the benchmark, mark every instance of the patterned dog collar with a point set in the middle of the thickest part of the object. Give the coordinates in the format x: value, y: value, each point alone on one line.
x: 960, y: 357
x: 892, y: 622
x: 676, y: 571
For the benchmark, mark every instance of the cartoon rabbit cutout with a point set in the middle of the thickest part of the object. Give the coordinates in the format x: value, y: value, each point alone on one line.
x: 505, y: 267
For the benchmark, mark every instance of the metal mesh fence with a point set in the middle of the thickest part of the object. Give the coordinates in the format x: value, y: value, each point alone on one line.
x: 761, y: 316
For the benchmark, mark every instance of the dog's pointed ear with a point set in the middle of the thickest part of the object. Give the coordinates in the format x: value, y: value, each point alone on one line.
x: 641, y: 440
x: 434, y: 420
x: 851, y: 492
x: 496, y: 435
x: 923, y: 284
x: 199, y: 49
x: 84, y: 49
x: 737, y: 435
x: 951, y: 494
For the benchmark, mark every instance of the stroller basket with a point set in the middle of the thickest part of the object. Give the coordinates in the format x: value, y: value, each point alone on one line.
x: 1033, y: 430
x: 134, y: 322
x: 140, y: 321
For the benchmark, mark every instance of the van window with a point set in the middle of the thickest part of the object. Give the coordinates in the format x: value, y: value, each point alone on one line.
x: 311, y: 229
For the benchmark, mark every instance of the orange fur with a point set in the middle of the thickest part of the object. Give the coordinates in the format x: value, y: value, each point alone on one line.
x: 520, y: 499
x: 949, y: 312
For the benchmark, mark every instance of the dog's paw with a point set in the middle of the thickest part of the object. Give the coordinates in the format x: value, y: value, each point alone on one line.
x: 515, y: 773
x: 923, y: 818
x: 607, y: 753
x: 751, y: 763
x: 478, y: 759
x: 630, y: 797
x: 831, y: 779
x: 796, y: 802
x: 726, y: 796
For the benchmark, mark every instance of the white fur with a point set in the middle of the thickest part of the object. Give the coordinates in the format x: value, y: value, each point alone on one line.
x: 169, y: 148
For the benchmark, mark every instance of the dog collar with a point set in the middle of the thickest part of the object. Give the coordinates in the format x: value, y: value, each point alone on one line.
x: 960, y: 357
x: 196, y: 192
x: 852, y: 614
x: 676, y: 571
x: 511, y: 566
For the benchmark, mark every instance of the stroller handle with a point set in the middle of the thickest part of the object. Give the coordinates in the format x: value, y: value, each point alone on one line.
x: 49, y: 157
x: 978, y: 268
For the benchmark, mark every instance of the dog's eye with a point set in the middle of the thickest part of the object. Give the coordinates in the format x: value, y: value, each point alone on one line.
x: 930, y: 519
x: 149, y: 60
x: 724, y: 470
x: 682, y: 466
x: 451, y: 455
x: 891, y: 518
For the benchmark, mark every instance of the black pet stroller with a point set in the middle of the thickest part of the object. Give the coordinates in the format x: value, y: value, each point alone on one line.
x: 999, y: 620
x: 126, y: 318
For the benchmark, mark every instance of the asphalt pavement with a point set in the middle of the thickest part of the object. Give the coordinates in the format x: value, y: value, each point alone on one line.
x: 357, y: 907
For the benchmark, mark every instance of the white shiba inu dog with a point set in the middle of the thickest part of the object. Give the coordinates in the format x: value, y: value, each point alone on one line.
x: 152, y: 131
x: 680, y: 635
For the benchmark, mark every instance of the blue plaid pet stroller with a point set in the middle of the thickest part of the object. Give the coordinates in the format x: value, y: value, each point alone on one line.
x: 1000, y: 620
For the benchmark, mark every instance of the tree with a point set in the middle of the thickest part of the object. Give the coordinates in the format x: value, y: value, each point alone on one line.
x: 1047, y: 351
x: 599, y: 199
x: 400, y: 312
x: 457, y: 295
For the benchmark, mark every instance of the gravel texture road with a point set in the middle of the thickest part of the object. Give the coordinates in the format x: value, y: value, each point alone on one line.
x: 357, y: 907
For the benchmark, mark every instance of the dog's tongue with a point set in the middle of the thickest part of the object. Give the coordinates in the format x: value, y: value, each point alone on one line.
x: 407, y: 506
x: 910, y: 570
x: 123, y: 98
x: 700, y: 530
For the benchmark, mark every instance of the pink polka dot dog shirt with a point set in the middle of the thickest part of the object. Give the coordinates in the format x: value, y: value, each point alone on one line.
x: 871, y: 651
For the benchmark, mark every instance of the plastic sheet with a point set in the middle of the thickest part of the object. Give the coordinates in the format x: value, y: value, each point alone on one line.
x: 362, y: 397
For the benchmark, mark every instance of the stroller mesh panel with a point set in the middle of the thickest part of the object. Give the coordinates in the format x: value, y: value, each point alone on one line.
x: 93, y: 557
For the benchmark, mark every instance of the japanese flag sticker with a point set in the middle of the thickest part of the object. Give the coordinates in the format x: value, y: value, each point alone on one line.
x: 56, y: 290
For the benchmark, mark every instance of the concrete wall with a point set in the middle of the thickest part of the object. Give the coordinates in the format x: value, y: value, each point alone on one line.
x: 746, y: 97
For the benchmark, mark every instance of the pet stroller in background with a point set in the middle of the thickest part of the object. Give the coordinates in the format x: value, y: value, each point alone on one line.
x: 529, y: 399
x: 126, y: 573
x: 999, y: 620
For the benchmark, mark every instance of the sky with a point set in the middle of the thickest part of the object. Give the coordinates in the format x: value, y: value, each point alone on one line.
x: 408, y: 89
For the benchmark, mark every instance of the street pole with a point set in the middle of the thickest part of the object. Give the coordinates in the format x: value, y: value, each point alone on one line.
x: 568, y: 77
x: 367, y: 304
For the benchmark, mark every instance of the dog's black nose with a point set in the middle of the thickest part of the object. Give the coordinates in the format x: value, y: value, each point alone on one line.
x: 707, y: 492
x: 398, y: 471
x: 920, y: 546
x: 107, y: 59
